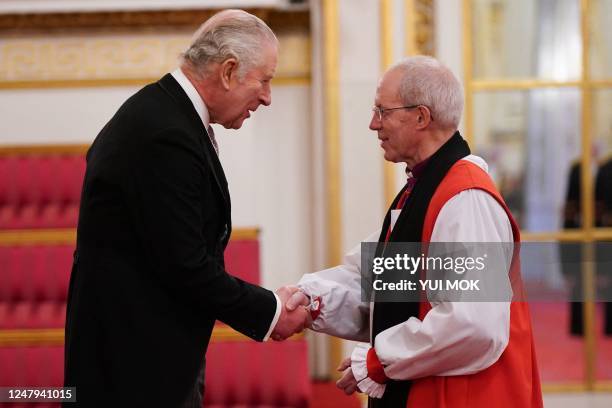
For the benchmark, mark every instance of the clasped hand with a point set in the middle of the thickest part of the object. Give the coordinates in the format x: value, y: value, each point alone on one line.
x: 294, y: 317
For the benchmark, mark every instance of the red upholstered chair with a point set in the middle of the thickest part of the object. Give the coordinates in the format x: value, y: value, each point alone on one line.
x: 40, y: 190
x: 25, y: 365
x: 34, y: 285
x: 242, y: 259
x: 244, y: 373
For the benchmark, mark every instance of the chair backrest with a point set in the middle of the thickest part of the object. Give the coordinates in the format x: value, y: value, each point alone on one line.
x: 40, y: 186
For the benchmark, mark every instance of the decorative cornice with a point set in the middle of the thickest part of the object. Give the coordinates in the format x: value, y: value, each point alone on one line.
x: 424, y: 29
x: 126, y: 48
x: 278, y: 20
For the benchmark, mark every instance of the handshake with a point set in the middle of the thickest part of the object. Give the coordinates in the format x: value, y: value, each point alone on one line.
x: 295, y: 314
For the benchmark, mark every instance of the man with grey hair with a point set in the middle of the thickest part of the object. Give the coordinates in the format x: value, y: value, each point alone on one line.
x: 430, y: 354
x: 148, y: 280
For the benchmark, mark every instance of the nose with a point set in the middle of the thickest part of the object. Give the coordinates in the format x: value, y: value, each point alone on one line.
x: 375, y: 123
x: 266, y: 96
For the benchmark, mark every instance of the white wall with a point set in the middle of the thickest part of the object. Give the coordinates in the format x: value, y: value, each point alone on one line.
x: 47, y: 116
x: 362, y: 163
x: 268, y: 167
x: 448, y: 36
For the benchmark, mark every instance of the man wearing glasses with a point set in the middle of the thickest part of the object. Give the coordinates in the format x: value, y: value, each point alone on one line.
x: 430, y: 354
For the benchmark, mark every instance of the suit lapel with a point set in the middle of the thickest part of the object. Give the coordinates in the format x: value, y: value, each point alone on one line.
x: 169, y: 84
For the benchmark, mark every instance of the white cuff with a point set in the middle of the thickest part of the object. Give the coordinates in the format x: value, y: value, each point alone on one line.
x: 371, y: 388
x: 359, y: 361
x: 359, y: 366
x: 279, y: 307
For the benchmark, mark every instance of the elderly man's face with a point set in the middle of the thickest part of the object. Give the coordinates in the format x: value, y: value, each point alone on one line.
x: 246, y: 94
x: 396, y: 130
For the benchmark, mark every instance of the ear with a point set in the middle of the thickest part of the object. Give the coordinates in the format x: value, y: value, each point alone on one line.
x: 227, y: 71
x: 424, y: 117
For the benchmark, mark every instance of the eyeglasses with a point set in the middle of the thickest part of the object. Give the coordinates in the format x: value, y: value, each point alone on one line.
x: 380, y: 111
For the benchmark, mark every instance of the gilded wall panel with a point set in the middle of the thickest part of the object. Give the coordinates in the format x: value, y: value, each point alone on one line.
x: 39, y: 60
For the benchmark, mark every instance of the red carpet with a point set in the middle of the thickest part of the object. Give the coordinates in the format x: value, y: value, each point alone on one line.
x: 561, y: 356
x: 326, y: 395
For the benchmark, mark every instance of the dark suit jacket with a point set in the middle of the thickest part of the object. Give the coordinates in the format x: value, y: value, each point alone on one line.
x: 148, y: 280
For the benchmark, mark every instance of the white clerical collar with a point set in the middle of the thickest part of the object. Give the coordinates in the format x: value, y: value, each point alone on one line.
x: 193, y: 95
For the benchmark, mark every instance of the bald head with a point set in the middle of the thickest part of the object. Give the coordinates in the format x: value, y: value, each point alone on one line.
x: 229, y: 34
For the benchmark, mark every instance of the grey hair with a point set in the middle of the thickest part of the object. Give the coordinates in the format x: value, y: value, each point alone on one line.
x: 229, y: 34
x: 426, y: 81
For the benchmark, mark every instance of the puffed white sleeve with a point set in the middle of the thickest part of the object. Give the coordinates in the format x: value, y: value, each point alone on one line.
x: 342, y: 312
x: 454, y: 338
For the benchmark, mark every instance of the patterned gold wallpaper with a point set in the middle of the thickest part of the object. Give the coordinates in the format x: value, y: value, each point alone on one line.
x: 50, y: 56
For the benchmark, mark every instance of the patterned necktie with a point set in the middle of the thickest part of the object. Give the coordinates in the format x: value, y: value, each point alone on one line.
x: 211, y: 136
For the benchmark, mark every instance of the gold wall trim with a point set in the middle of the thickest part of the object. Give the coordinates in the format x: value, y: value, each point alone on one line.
x: 138, y: 82
x: 568, y: 387
x: 106, y: 59
x: 291, y: 81
x: 125, y: 48
x: 567, y: 235
x: 386, y: 60
x: 603, y: 386
x: 587, y: 203
x: 386, y: 33
x: 468, y: 69
x: 420, y: 28
x: 276, y: 19
x: 32, y: 337
x: 331, y: 96
x: 519, y: 84
x: 245, y: 234
x: 573, y: 387
x: 602, y: 234
x: 524, y: 84
x: 55, y: 337
x: 410, y: 44
x: 33, y: 150
x: 332, y: 128
x: 600, y: 83
x: 38, y: 237
x: 67, y: 236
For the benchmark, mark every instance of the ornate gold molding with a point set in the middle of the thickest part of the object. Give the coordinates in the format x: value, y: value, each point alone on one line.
x: 107, y: 53
x: 278, y: 20
x: 119, y: 60
x: 424, y: 27
x: 137, y: 82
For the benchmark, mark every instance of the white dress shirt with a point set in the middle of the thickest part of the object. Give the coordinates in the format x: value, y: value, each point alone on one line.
x: 454, y: 338
x: 202, y: 110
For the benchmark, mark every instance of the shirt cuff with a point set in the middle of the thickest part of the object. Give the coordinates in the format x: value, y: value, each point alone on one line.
x: 359, y: 365
x: 279, y: 307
